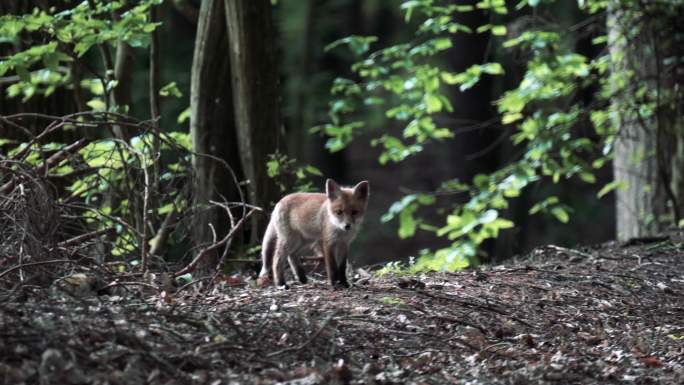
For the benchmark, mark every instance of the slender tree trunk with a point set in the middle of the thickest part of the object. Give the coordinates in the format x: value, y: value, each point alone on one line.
x: 122, y: 67
x: 211, y: 125
x: 301, y: 122
x: 334, y: 165
x: 649, y: 149
x: 471, y: 151
x: 123, y: 73
x: 254, y: 81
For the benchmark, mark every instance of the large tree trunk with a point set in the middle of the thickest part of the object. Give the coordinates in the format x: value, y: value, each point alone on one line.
x: 254, y: 80
x: 211, y: 124
x: 649, y: 150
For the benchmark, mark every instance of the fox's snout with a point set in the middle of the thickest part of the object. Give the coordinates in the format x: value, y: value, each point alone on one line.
x: 343, y: 222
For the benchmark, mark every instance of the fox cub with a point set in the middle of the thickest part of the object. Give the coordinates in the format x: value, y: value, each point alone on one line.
x: 328, y: 221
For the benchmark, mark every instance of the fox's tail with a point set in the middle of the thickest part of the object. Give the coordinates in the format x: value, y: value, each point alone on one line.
x: 268, y: 246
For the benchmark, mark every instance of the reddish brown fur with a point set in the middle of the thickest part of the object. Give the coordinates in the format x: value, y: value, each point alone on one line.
x: 329, y: 220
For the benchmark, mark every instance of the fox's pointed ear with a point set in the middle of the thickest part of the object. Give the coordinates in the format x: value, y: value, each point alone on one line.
x: 332, y: 189
x: 362, y: 190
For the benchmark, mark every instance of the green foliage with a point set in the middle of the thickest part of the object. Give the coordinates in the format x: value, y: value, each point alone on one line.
x: 405, y: 210
x: 171, y: 89
x: 405, y: 83
x: 70, y: 34
x: 289, y: 175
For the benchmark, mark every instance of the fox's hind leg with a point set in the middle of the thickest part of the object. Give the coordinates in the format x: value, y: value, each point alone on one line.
x: 268, y: 246
x: 284, y: 248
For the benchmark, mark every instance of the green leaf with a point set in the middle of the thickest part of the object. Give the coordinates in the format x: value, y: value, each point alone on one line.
x: 560, y: 214
x: 171, y: 89
x: 499, y: 30
x: 510, y: 118
x: 609, y: 187
x: 442, y: 44
x: 96, y: 104
x: 313, y: 170
x: 492, y: 68
x: 587, y: 177
x: 184, y: 115
x: 449, y: 78
x: 433, y: 103
x: 165, y: 209
x: 357, y: 44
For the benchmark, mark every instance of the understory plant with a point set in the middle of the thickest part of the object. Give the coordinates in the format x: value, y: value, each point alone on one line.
x: 556, y: 134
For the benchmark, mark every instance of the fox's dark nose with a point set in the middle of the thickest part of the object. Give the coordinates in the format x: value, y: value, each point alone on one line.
x: 347, y: 226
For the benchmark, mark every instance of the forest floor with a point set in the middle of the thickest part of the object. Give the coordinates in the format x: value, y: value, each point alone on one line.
x: 606, y: 314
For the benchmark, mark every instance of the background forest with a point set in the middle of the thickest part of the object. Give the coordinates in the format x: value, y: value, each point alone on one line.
x: 485, y: 127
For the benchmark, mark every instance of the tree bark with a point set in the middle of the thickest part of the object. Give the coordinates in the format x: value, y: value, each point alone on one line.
x: 649, y: 148
x: 297, y: 132
x: 254, y: 82
x: 212, y: 125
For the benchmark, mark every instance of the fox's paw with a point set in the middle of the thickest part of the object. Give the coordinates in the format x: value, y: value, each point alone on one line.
x: 263, y: 281
x: 339, y: 285
x: 283, y: 287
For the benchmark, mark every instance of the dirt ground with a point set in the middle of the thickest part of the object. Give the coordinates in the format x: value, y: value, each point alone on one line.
x: 603, y: 315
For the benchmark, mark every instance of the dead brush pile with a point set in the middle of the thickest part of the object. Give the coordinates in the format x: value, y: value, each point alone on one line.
x: 40, y: 238
x: 101, y: 198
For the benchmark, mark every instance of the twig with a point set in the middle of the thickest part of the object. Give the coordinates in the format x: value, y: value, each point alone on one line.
x: 146, y: 201
x: 51, y: 162
x: 21, y: 266
x: 193, y: 264
x: 187, y: 285
x: 83, y: 237
x: 160, y: 239
x: 145, y: 284
x: 227, y: 246
x: 307, y: 342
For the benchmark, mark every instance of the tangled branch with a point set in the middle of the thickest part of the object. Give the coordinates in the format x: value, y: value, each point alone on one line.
x: 104, y: 206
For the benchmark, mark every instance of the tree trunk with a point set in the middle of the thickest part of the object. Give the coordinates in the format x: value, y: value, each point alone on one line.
x: 649, y: 149
x: 472, y: 150
x: 351, y: 22
x: 297, y: 131
x: 211, y: 125
x: 254, y: 81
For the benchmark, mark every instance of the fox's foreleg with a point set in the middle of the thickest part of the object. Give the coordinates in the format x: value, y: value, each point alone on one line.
x: 341, y: 252
x: 335, y: 257
x: 297, y: 269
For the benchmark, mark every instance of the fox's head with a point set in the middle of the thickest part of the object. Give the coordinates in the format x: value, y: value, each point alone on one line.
x: 347, y: 206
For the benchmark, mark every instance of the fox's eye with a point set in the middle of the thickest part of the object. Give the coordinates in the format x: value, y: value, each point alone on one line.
x: 338, y: 212
x: 355, y: 212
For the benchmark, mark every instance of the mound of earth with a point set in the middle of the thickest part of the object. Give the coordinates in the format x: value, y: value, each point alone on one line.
x: 604, y: 315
